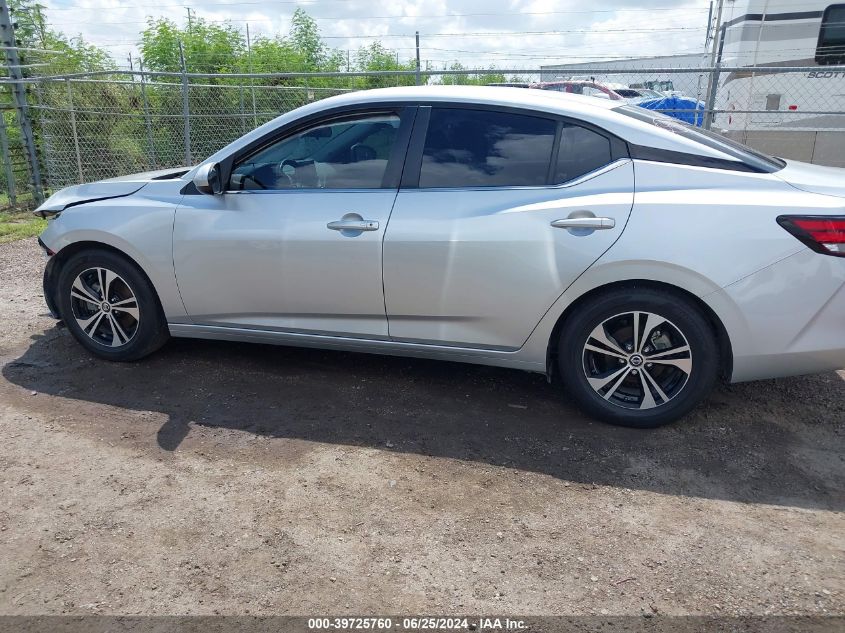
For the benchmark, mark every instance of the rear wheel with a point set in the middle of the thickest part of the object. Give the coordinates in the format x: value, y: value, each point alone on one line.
x: 109, y: 306
x: 640, y: 358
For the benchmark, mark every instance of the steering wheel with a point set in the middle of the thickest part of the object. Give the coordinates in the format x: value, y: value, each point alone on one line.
x: 294, y: 164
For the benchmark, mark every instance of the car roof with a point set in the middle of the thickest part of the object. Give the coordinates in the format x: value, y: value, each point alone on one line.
x: 486, y: 95
x: 567, y: 82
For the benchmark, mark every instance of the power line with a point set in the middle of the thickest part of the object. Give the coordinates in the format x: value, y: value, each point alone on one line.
x: 315, y: 2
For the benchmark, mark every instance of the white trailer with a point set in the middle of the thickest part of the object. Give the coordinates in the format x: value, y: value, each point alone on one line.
x: 793, y: 114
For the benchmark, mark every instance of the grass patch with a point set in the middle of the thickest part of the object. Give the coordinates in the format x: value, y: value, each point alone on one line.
x: 17, y: 225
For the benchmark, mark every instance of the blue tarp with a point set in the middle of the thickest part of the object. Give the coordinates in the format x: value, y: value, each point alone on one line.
x: 683, y: 108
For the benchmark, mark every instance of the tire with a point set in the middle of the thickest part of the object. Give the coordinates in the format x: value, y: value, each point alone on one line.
x: 607, y: 376
x: 126, y: 324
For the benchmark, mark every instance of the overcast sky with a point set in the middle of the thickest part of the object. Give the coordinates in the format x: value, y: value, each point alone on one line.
x: 478, y: 33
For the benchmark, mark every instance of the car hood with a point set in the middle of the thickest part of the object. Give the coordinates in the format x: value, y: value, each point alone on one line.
x: 829, y: 181
x: 103, y: 190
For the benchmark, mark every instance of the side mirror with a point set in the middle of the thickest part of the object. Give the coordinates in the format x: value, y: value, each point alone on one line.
x: 207, y: 179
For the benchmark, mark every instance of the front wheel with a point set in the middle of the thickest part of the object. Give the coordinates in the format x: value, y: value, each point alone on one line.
x: 640, y: 358
x: 109, y: 306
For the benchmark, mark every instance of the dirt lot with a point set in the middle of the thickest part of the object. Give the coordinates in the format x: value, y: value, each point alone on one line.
x: 228, y: 478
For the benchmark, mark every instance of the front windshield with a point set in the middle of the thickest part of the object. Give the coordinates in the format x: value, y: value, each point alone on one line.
x: 753, y: 158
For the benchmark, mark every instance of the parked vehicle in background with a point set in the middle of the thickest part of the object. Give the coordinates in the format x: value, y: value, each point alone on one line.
x: 648, y: 93
x: 589, y: 88
x: 511, y: 84
x: 578, y: 87
x: 629, y: 94
x: 660, y: 89
x: 634, y: 257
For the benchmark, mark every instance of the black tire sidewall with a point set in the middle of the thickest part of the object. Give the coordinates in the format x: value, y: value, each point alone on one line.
x: 680, y: 311
x: 152, y: 329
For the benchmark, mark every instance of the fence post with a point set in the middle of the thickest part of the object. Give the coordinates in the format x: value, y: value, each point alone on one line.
x: 13, y: 64
x: 709, y: 115
x: 147, y: 123
x: 186, y: 112
x: 74, y: 132
x: 251, y: 79
x: 418, y: 58
x: 243, y: 112
x: 7, y: 161
x: 715, y: 62
x: 45, y: 139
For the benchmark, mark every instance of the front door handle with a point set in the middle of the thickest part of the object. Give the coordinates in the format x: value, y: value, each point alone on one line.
x: 353, y: 225
x: 591, y: 224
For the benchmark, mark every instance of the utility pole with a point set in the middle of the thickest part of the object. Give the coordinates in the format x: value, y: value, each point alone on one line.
x: 190, y: 24
x: 13, y: 65
x: 713, y: 82
x: 709, y: 25
x: 418, y: 57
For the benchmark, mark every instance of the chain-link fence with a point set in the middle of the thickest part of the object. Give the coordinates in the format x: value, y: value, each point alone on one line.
x: 15, y: 178
x: 91, y: 129
x: 100, y: 125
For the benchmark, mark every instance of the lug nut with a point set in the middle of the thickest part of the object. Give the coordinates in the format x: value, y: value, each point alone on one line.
x: 634, y: 372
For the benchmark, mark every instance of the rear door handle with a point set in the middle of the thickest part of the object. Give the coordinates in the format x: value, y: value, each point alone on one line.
x: 592, y: 224
x: 353, y: 225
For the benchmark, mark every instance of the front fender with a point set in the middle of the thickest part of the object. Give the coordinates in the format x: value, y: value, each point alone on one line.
x: 141, y: 229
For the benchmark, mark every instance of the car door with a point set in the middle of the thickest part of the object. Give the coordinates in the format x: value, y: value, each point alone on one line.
x: 498, y: 213
x: 295, y: 242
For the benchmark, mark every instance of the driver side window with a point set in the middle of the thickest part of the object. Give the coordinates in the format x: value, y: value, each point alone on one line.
x: 342, y: 154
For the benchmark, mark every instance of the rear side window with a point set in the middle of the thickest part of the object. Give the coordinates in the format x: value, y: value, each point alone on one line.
x: 831, y: 46
x: 479, y: 148
x: 743, y: 155
x: 581, y: 151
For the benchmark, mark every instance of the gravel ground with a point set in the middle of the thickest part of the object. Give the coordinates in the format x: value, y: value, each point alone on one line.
x: 234, y: 478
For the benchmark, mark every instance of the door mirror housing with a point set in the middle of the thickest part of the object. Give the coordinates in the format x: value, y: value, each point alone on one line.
x: 207, y: 179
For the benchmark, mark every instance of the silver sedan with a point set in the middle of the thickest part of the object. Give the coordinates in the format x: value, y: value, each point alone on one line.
x: 632, y: 258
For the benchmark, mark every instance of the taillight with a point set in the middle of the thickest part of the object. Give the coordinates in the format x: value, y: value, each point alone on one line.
x: 822, y: 233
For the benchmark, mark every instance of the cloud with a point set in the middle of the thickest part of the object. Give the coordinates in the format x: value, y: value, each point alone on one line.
x: 478, y: 33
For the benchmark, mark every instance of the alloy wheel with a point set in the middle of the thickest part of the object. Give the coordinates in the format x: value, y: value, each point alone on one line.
x: 105, y: 307
x: 637, y: 360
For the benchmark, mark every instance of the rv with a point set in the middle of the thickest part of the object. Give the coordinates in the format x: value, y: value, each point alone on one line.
x: 792, y: 114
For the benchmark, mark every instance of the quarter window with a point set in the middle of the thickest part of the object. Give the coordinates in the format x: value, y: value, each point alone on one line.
x: 343, y: 154
x: 478, y: 148
x: 581, y: 151
x: 831, y: 46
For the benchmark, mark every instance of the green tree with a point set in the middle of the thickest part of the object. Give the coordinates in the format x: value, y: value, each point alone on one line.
x: 475, y: 79
x: 72, y: 54
x: 376, y: 57
x: 208, y: 47
x: 67, y: 55
x: 305, y: 38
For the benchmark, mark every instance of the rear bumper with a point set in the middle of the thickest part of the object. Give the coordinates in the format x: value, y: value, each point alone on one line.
x: 787, y: 319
